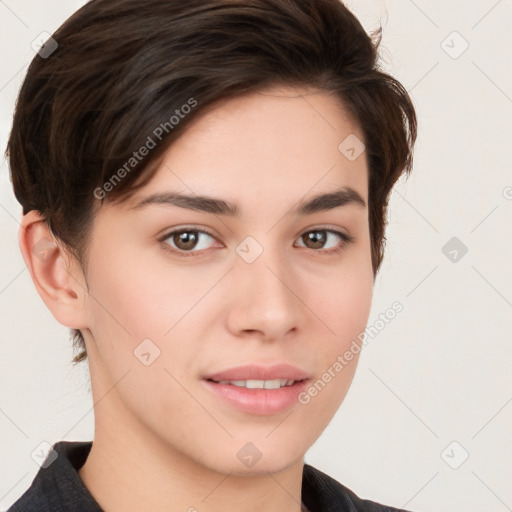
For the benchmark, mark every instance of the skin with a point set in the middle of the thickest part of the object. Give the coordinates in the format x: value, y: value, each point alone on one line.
x: 162, y: 440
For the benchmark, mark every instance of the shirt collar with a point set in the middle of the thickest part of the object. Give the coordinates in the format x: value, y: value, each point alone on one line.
x: 61, y: 487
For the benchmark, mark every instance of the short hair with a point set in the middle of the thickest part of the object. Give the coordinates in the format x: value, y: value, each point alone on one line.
x: 125, y: 71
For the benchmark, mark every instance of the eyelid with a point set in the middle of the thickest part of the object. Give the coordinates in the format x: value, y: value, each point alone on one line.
x: 199, y: 229
x: 184, y: 228
x: 345, y: 237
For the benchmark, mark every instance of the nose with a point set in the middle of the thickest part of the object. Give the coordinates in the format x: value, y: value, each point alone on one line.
x: 267, y: 300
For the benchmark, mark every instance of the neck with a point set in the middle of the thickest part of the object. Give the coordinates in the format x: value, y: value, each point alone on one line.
x: 130, y: 469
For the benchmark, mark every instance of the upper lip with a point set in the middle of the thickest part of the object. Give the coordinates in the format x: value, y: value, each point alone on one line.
x: 259, y: 372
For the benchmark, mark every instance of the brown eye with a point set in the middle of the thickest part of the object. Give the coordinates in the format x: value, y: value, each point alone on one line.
x: 185, y: 240
x: 316, y: 239
x: 192, y: 242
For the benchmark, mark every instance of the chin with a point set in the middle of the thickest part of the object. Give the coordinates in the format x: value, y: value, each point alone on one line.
x: 261, y: 468
x: 247, y: 458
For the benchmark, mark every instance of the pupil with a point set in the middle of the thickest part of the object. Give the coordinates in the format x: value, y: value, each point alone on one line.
x: 187, y: 239
x: 317, y: 237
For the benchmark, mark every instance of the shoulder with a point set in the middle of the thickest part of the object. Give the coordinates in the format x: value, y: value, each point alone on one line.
x: 57, y: 485
x: 321, y: 493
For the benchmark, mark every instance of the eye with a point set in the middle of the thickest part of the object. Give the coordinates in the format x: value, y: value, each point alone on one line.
x: 320, y: 236
x: 183, y: 241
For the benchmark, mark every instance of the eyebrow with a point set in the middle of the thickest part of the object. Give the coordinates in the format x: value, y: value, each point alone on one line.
x: 322, y: 202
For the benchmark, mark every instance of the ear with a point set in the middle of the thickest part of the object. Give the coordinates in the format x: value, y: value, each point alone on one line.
x: 57, y: 276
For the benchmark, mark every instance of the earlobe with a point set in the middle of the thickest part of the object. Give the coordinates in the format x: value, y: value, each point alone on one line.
x: 56, y: 279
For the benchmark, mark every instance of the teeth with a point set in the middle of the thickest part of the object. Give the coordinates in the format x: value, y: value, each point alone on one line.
x: 259, y: 384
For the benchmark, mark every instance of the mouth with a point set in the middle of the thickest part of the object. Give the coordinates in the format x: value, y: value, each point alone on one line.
x: 258, y: 390
x: 258, y: 384
x: 255, y: 373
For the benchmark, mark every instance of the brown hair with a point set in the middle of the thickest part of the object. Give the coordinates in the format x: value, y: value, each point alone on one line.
x: 123, y: 68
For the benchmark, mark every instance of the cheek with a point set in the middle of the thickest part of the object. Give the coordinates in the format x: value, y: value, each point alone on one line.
x: 344, y: 308
x: 140, y: 309
x: 346, y: 314
x: 128, y: 302
x: 139, y: 299
x: 345, y: 301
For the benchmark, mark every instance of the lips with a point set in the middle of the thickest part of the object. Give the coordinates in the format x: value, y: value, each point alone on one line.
x: 260, y: 373
x: 259, y: 384
x: 255, y: 389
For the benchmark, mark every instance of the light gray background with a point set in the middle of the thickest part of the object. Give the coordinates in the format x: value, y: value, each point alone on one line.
x: 439, y: 372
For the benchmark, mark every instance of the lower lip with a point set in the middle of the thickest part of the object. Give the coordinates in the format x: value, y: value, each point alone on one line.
x: 258, y: 401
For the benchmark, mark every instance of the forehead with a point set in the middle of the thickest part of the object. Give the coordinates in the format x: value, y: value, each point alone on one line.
x: 281, y: 142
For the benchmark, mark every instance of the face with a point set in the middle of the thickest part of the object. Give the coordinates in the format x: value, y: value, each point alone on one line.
x: 191, y: 312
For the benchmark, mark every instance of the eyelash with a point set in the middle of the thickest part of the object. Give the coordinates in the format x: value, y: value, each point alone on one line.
x: 346, y: 239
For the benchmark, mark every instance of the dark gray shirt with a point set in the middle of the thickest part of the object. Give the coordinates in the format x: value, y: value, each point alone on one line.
x: 59, y: 488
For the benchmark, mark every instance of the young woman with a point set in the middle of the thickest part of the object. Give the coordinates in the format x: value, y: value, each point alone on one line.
x: 204, y: 188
